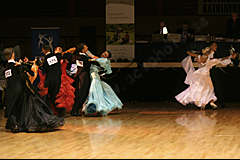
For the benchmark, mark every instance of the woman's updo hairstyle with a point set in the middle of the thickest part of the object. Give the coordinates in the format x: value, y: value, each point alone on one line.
x: 206, y: 50
x: 40, y: 60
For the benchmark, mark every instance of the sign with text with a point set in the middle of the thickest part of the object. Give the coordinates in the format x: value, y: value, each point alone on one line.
x: 210, y: 7
x: 122, y: 52
x: 120, y: 29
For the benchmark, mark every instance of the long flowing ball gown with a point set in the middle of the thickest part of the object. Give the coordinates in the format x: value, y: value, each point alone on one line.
x: 201, y: 90
x: 65, y: 97
x: 36, y: 116
x: 101, y: 97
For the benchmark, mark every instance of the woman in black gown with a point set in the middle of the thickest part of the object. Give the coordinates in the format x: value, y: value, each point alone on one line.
x: 36, y: 116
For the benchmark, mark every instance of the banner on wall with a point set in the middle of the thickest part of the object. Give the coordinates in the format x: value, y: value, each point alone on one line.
x: 210, y: 7
x: 120, y: 29
x: 40, y: 36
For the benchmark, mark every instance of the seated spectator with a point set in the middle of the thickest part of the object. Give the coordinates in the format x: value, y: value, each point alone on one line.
x: 233, y: 27
x: 187, y: 33
x: 160, y: 31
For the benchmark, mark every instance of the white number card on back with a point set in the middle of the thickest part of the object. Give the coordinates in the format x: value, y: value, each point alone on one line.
x: 8, y: 73
x: 52, y: 60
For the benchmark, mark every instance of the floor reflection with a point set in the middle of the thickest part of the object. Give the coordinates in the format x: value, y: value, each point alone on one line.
x: 200, y: 128
x: 198, y: 121
x: 101, y: 131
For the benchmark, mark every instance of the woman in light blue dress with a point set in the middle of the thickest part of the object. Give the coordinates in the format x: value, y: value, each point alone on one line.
x: 101, y: 99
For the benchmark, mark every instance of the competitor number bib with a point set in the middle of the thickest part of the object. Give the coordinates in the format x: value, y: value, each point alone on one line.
x: 8, y: 73
x: 52, y: 60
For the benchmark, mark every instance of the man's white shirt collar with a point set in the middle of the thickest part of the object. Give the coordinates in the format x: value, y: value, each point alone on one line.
x: 82, y: 53
x: 11, y: 61
x: 48, y: 53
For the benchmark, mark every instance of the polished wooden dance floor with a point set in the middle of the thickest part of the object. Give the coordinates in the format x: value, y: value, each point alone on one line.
x: 139, y: 130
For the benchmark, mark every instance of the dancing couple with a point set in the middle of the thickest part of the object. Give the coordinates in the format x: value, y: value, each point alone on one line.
x: 201, y: 89
x: 25, y: 109
x: 92, y: 95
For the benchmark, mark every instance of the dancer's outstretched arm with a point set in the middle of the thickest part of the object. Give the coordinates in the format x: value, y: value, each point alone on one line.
x: 94, y: 62
x: 26, y: 60
x: 233, y: 56
x: 70, y: 50
x: 91, y: 55
x: 193, y: 54
x: 66, y: 54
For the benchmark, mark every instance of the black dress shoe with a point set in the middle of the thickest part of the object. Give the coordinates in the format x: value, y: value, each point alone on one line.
x: 75, y: 114
x: 14, y: 128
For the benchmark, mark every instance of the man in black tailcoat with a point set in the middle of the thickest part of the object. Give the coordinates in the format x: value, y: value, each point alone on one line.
x: 14, y: 90
x: 52, y: 68
x: 82, y: 77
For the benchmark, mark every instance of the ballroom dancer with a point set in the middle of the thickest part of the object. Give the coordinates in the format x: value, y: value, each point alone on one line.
x: 52, y: 67
x: 35, y: 115
x: 214, y: 75
x: 65, y: 96
x: 201, y: 90
x: 14, y: 90
x: 81, y: 77
x: 102, y: 98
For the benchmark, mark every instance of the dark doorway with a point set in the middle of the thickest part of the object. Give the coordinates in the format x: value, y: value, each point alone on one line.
x: 88, y: 34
